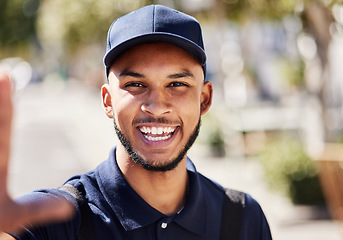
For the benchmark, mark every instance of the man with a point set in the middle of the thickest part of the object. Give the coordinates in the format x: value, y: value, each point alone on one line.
x: 148, y: 188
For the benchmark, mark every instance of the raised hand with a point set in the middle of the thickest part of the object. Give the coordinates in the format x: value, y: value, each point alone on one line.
x: 12, y: 213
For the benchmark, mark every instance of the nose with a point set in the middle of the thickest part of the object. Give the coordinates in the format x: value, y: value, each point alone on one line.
x: 157, y: 103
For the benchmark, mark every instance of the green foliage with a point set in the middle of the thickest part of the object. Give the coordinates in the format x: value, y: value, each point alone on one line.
x: 72, y: 24
x: 17, y: 22
x: 217, y: 143
x: 212, y: 134
x: 76, y: 24
x: 290, y: 170
x: 294, y: 72
x: 275, y: 9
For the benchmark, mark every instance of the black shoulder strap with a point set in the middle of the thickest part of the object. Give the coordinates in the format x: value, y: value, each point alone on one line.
x: 87, y: 228
x: 233, y: 206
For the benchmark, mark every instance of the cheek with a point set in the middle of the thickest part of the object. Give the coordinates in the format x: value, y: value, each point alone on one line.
x: 193, y: 101
x: 123, y: 110
x: 191, y: 109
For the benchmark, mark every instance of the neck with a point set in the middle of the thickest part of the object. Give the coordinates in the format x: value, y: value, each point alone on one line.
x: 164, y: 191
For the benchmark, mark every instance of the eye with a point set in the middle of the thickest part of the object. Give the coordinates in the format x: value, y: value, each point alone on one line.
x: 178, y: 84
x: 134, y: 85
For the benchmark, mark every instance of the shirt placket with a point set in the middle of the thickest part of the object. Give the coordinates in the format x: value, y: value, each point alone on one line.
x: 162, y: 228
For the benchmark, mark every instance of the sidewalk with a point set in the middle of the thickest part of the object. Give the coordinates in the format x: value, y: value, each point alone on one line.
x: 62, y: 131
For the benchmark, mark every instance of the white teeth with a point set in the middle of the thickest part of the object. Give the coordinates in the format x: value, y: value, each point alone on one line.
x: 148, y: 131
x: 159, y: 130
x: 154, y: 139
x: 156, y: 130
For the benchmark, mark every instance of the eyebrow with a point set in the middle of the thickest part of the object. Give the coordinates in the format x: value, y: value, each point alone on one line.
x: 183, y: 74
x: 129, y: 73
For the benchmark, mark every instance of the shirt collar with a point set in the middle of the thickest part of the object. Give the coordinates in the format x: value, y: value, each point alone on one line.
x: 194, y: 216
x: 121, y: 197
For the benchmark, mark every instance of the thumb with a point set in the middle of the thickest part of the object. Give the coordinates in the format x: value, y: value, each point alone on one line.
x: 34, y: 211
x: 47, y: 210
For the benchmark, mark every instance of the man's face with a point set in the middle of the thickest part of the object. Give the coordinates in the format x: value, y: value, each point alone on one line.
x: 156, y: 95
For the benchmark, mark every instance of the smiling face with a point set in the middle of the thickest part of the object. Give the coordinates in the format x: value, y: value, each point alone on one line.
x: 156, y: 95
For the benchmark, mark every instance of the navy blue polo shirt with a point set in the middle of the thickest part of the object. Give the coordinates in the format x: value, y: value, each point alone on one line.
x: 121, y: 214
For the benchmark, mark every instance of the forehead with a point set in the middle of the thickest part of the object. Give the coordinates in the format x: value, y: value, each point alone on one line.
x: 156, y: 53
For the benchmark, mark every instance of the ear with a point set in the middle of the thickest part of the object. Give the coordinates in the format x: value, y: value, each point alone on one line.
x: 107, y: 100
x: 206, y: 97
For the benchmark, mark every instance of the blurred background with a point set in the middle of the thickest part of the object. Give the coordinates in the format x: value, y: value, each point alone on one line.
x: 276, y: 126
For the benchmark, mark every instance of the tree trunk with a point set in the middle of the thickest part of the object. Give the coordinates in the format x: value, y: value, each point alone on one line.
x: 317, y: 20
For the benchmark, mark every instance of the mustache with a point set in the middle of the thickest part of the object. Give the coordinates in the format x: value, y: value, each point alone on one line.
x: 160, y: 120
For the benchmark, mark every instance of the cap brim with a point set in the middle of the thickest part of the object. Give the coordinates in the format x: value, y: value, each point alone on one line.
x: 190, y: 47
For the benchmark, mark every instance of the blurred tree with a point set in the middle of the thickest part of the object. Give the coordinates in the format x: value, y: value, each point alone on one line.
x: 79, y: 23
x: 70, y: 24
x: 242, y: 9
x: 17, y: 22
x: 317, y: 20
x: 72, y: 34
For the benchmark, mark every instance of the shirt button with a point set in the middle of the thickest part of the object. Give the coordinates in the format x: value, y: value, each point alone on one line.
x: 164, y: 225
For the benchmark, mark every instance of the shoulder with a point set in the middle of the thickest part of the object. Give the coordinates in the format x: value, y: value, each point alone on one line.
x: 244, y: 207
x: 252, y: 207
x: 210, y: 184
x: 252, y: 210
x: 254, y: 221
x: 241, y: 211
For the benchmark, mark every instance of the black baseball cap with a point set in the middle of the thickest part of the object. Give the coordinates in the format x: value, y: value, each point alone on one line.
x: 155, y: 23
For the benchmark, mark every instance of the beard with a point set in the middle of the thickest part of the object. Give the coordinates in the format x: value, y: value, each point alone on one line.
x: 162, y: 167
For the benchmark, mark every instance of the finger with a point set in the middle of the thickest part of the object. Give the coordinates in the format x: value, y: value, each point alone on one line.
x: 5, y: 127
x: 5, y: 236
x: 5, y: 94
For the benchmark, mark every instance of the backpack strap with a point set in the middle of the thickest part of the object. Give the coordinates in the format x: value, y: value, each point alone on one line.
x: 232, y: 215
x: 87, y: 228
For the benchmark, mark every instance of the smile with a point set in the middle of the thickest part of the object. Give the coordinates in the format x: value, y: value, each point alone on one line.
x: 157, y: 133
